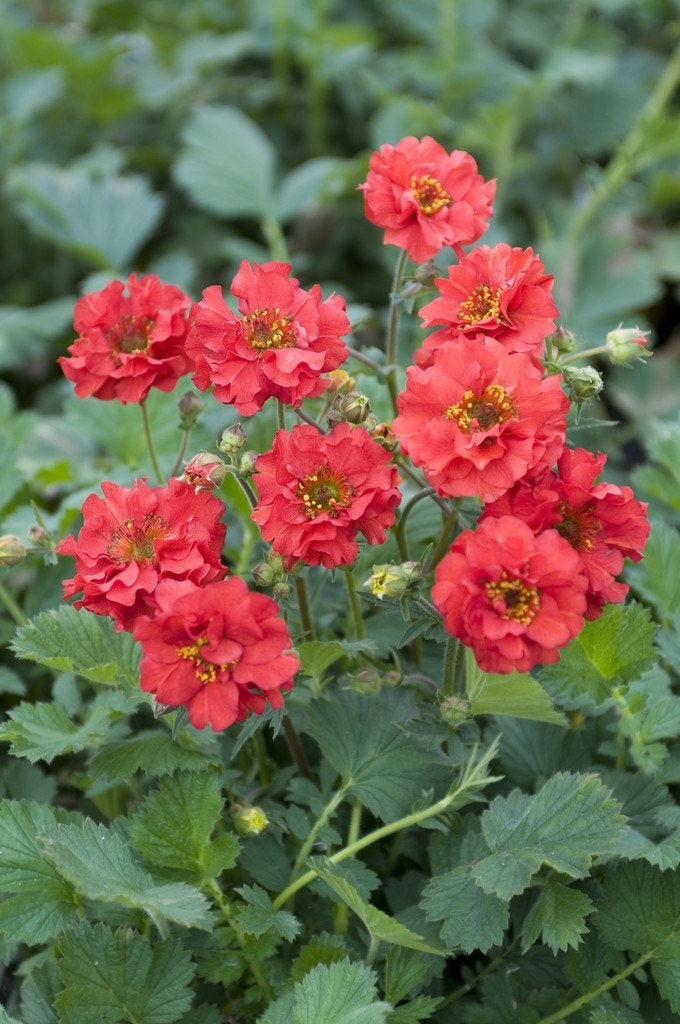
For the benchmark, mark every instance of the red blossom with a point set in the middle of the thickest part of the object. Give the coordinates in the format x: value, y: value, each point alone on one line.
x: 219, y: 649
x: 501, y: 292
x: 278, y: 346
x: 604, y: 523
x: 134, y: 537
x: 512, y: 596
x: 130, y: 339
x: 426, y: 198
x: 317, y: 491
x: 478, y: 419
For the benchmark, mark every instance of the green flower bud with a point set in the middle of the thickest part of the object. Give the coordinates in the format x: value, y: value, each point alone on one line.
x: 562, y: 340
x: 248, y: 821
x: 232, y: 439
x: 366, y: 681
x: 393, y: 581
x: 455, y: 710
x: 584, y: 383
x: 627, y: 345
x: 190, y: 407
x: 12, y: 550
x: 246, y: 464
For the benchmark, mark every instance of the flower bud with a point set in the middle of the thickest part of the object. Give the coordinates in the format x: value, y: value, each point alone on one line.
x: 190, y: 407
x: 281, y: 590
x: 584, y: 383
x: 562, y: 340
x: 426, y: 273
x: 246, y: 464
x: 12, y: 550
x: 455, y: 710
x: 352, y: 407
x: 39, y: 537
x: 394, y: 581
x: 339, y: 382
x: 627, y: 345
x: 232, y: 439
x: 205, y: 472
x: 248, y: 821
x: 366, y: 681
x: 385, y: 436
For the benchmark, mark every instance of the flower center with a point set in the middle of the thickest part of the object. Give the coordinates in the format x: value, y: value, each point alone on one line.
x: 133, y: 543
x: 482, y: 412
x: 512, y: 599
x: 269, y: 328
x: 483, y: 304
x: 130, y: 334
x: 206, y: 671
x: 429, y: 194
x: 578, y: 525
x: 324, y: 491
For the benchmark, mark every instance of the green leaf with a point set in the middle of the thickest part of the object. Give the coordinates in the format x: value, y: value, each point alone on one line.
x: 99, y: 865
x: 517, y: 695
x: 420, y: 1008
x: 306, y: 186
x: 558, y: 917
x: 153, y: 752
x: 118, y: 977
x: 173, y: 826
x: 342, y: 993
x: 316, y: 656
x: 473, y: 919
x: 44, y: 731
x: 227, y: 164
x: 39, y: 992
x: 100, y: 217
x: 258, y: 915
x: 6, y: 1019
x: 616, y: 648
x: 321, y: 949
x: 41, y: 903
x: 378, y: 924
x: 657, y: 578
x: 83, y: 643
x: 640, y: 908
x: 404, y: 970
x: 571, y: 820
x: 363, y: 739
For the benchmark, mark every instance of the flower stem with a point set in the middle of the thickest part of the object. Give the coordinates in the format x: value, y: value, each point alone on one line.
x: 452, y: 664
x: 255, y: 968
x: 12, y: 607
x: 356, y: 606
x: 588, y: 997
x: 325, y: 815
x: 303, y: 606
x: 275, y: 238
x: 445, y: 538
x: 400, y: 531
x: 181, y: 453
x: 295, y: 747
x: 391, y: 346
x: 149, y: 443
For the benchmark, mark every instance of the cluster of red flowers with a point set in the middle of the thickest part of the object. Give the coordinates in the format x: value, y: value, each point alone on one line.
x: 478, y: 415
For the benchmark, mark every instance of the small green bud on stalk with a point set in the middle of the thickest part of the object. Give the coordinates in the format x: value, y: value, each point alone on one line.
x: 584, y: 383
x: 455, y: 710
x: 394, y: 581
x: 248, y: 821
x: 190, y: 407
x: 246, y: 464
x: 205, y: 472
x: 232, y: 439
x: 627, y: 345
x: 12, y: 550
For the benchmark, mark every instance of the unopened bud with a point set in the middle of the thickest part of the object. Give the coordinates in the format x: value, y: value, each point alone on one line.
x: 393, y: 581
x: 39, y: 537
x: 339, y: 382
x: 281, y: 590
x: 246, y: 464
x: 190, y: 407
x: 455, y: 710
x: 627, y: 345
x: 248, y: 821
x: 584, y: 383
x: 562, y: 340
x: 12, y: 550
x: 232, y: 439
x: 427, y: 273
x: 366, y: 681
x: 205, y: 472
x: 385, y: 436
x: 353, y: 407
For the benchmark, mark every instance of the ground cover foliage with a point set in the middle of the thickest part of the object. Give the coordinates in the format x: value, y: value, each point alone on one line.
x: 410, y: 838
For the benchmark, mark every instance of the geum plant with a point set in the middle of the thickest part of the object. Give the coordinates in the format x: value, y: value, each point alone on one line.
x: 272, y: 769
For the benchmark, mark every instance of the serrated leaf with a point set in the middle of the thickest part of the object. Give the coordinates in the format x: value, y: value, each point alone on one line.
x: 227, y: 164
x: 117, y: 977
x: 41, y: 732
x: 258, y: 915
x: 342, y: 993
x: 316, y: 656
x: 152, y: 751
x: 83, y: 643
x: 101, y: 217
x: 420, y: 1008
x: 571, y: 820
x: 38, y: 994
x: 517, y: 695
x: 174, y: 825
x: 473, y: 919
x: 321, y: 949
x: 41, y: 903
x: 558, y: 917
x: 658, y: 577
x: 383, y: 766
x: 6, y: 1019
x: 380, y: 925
x: 616, y: 648
x: 100, y: 866
x: 640, y: 908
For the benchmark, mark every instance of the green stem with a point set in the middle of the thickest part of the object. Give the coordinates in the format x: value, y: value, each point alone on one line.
x: 255, y: 968
x: 444, y: 539
x: 600, y: 350
x: 12, y: 607
x: 588, y: 997
x: 391, y: 345
x: 261, y: 756
x: 149, y: 444
x: 181, y: 453
x: 245, y: 487
x: 325, y: 815
x: 355, y: 604
x: 303, y: 606
x: 452, y: 676
x: 275, y: 239
x: 295, y: 747
x: 342, y: 910
x: 400, y: 531
x: 492, y: 966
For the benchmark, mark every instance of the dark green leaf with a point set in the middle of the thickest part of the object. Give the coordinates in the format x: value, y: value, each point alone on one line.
x: 258, y: 915
x: 558, y: 917
x: 472, y: 918
x: 342, y: 993
x: 44, y: 731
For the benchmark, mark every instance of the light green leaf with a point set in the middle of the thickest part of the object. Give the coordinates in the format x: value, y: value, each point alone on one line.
x: 306, y: 186
x: 6, y: 1019
x: 101, y: 217
x: 517, y: 695
x: 657, y: 578
x: 321, y: 949
x: 616, y: 648
x: 473, y: 919
x: 81, y: 642
x: 154, y: 752
x: 571, y: 820
x: 44, y: 731
x: 118, y: 977
x: 316, y: 656
x: 420, y: 1008
x: 24, y: 331
x: 378, y: 924
x: 342, y: 993
x: 99, y: 865
x: 558, y: 917
x: 404, y: 969
x: 227, y: 164
x: 38, y: 994
x: 173, y: 826
x: 258, y: 915
x: 41, y: 903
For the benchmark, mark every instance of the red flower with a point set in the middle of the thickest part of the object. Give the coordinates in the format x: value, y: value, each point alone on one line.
x: 478, y: 419
x: 317, y: 491
x: 501, y: 293
x: 130, y: 339
x: 219, y: 649
x: 134, y: 537
x: 602, y: 522
x: 426, y: 198
x: 512, y: 596
x: 279, y: 346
